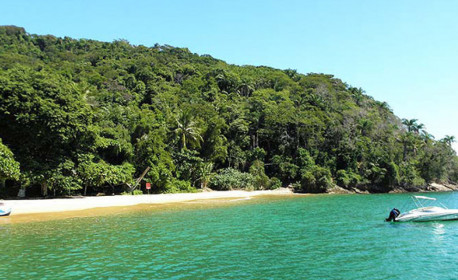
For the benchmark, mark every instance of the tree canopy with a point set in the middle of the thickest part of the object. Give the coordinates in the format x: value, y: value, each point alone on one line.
x: 83, y: 116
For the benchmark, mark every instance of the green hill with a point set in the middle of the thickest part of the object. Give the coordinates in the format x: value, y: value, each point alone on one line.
x: 83, y: 116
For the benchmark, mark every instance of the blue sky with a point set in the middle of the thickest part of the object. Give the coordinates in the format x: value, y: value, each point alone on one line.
x: 402, y: 52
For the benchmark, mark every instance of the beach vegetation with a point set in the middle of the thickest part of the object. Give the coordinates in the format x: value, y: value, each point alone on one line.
x: 81, y: 116
x: 9, y: 167
x: 232, y: 179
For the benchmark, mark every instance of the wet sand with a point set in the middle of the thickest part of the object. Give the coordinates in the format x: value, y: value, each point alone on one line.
x: 34, y: 210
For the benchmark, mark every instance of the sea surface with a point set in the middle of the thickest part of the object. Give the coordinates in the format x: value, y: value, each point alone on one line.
x: 301, y: 237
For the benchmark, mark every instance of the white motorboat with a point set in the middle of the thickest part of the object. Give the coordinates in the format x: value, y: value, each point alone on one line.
x: 428, y: 209
x: 4, y: 211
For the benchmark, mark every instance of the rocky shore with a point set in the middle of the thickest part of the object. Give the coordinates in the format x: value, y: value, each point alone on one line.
x: 433, y: 187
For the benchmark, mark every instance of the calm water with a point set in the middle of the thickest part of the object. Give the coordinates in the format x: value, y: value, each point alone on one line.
x: 314, y: 237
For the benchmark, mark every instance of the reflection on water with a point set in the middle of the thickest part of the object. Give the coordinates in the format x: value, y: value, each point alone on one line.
x: 439, y: 230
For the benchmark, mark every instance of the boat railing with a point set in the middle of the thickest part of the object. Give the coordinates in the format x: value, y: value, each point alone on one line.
x: 427, y: 201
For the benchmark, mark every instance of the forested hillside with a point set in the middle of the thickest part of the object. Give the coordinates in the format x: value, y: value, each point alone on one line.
x: 83, y: 116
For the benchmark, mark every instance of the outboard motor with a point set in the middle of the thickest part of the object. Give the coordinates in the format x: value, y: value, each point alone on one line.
x: 393, y: 215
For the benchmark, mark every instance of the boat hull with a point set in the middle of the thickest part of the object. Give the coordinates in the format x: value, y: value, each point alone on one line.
x: 5, y: 212
x: 449, y: 215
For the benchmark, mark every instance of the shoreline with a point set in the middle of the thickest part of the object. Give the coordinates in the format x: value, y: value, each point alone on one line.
x: 30, y: 210
x: 48, y: 209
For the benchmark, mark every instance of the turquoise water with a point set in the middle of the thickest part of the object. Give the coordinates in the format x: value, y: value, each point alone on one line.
x: 312, y: 237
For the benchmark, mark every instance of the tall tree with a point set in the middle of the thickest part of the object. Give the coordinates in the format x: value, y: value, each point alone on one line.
x: 449, y: 140
x: 9, y: 167
x: 412, y: 125
x: 188, y: 131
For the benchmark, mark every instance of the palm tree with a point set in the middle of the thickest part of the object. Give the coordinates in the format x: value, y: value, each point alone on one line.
x: 358, y: 94
x: 404, y: 139
x: 412, y: 125
x: 383, y: 105
x: 365, y: 126
x: 410, y: 143
x: 188, y: 131
x: 384, y: 108
x: 427, y: 137
x: 205, y: 174
x: 448, y: 139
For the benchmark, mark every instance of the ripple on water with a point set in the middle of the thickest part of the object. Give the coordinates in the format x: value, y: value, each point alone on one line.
x: 313, y: 237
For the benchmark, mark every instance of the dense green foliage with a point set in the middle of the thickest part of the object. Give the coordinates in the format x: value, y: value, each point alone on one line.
x: 81, y: 115
x: 9, y: 168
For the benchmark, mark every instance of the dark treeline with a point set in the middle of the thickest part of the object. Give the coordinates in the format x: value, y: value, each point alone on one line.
x: 82, y: 116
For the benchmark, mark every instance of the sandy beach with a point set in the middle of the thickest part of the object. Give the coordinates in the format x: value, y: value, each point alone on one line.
x: 31, y: 209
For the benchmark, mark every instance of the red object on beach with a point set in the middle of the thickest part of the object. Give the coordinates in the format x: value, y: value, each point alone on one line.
x: 148, y: 186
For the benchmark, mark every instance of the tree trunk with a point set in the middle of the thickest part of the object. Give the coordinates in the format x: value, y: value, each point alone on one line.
x: 85, y: 189
x: 298, y: 139
x: 183, y: 143
x: 21, y: 192
x: 404, y: 153
x: 44, y: 189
